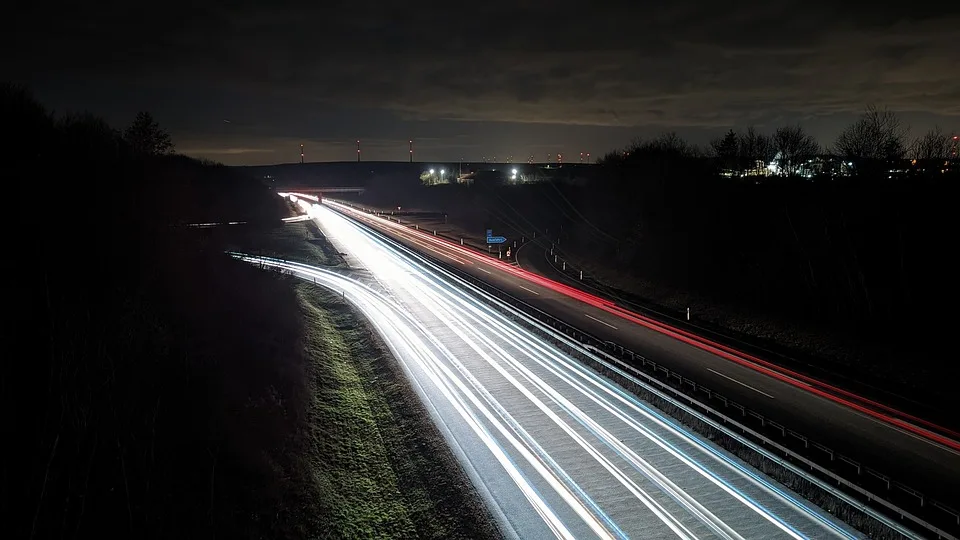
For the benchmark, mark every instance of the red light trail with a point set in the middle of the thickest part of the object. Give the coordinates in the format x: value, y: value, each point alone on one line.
x: 864, y: 405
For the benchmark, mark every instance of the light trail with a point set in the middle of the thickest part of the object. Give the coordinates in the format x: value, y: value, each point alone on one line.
x: 880, y: 412
x: 577, y: 448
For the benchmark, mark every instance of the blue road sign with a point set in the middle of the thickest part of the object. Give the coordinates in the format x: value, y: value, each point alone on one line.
x: 491, y: 239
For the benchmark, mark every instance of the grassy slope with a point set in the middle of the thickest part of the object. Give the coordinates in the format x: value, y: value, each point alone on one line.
x: 381, y: 469
x: 301, y: 241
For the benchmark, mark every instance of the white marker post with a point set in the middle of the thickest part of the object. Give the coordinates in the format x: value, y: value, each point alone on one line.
x: 688, y: 314
x: 564, y: 266
x: 581, y: 275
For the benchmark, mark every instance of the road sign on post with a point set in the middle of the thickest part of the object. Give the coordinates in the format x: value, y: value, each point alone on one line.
x: 491, y: 239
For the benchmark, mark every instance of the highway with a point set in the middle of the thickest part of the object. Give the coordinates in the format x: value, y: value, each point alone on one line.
x: 555, y: 449
x: 905, y: 448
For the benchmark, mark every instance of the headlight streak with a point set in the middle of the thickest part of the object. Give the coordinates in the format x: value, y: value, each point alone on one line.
x: 532, y: 343
x: 498, y: 324
x: 879, y: 412
x: 485, y: 317
x: 477, y: 341
x: 387, y: 319
x: 474, y: 323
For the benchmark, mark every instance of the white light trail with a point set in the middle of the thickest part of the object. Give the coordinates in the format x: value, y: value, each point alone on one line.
x: 573, y: 443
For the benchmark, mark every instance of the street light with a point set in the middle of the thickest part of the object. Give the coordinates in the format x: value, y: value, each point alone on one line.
x: 431, y: 171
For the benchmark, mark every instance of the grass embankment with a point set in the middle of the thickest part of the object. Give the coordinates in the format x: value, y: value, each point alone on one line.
x: 382, y: 469
x: 299, y: 241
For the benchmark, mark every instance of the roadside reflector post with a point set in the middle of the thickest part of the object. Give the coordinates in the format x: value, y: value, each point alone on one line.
x: 461, y: 241
x: 581, y: 275
x: 554, y: 258
x: 564, y: 266
x: 499, y: 254
x: 434, y: 233
x: 417, y: 227
x: 514, y: 243
x: 688, y: 314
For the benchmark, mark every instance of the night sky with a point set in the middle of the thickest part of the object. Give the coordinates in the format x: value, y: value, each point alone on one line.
x: 248, y: 82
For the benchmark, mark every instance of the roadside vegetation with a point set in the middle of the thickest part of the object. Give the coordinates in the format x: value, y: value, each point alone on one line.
x: 153, y: 387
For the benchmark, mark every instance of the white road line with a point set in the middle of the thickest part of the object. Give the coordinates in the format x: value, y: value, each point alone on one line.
x: 437, y: 251
x: 529, y: 290
x: 599, y: 321
x: 484, y: 270
x: 740, y: 383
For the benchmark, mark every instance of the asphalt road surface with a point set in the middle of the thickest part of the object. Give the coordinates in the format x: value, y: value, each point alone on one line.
x: 555, y: 449
x: 904, y: 449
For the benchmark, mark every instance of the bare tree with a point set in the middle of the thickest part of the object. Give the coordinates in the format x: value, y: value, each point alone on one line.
x: 793, y: 146
x: 932, y: 145
x: 146, y: 137
x: 672, y: 145
x: 727, y: 151
x: 756, y: 150
x: 877, y: 135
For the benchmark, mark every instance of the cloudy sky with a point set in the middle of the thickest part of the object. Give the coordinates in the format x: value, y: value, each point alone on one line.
x: 246, y: 82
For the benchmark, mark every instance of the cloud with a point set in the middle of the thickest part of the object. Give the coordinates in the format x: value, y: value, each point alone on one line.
x: 670, y: 64
x: 192, y: 151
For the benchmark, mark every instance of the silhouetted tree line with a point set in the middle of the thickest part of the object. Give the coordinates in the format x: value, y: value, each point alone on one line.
x: 864, y: 257
x: 136, y: 401
x: 871, y: 146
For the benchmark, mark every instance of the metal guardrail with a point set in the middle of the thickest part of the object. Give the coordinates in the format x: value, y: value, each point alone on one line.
x: 897, y: 501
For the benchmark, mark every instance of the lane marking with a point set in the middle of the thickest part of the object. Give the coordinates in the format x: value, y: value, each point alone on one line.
x: 740, y: 383
x: 484, y: 270
x: 528, y: 290
x: 437, y: 251
x: 599, y: 321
